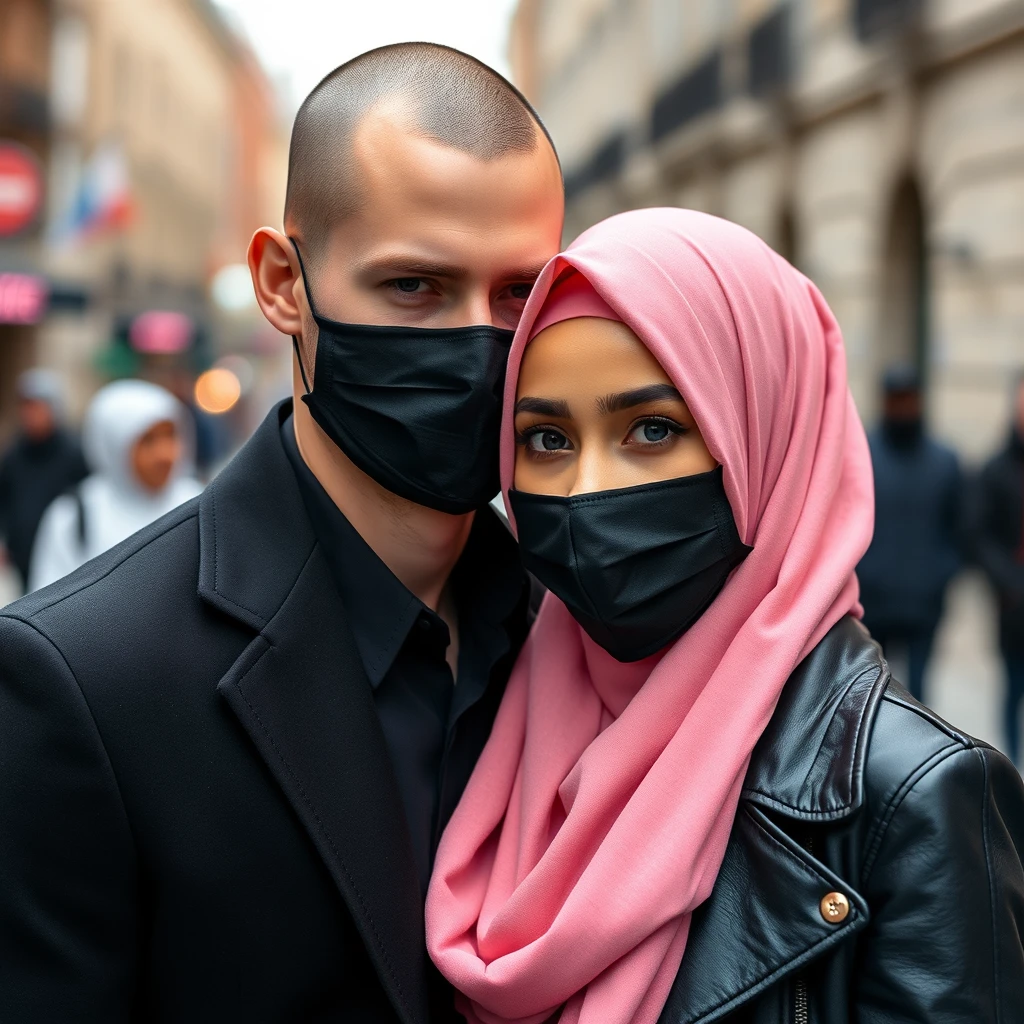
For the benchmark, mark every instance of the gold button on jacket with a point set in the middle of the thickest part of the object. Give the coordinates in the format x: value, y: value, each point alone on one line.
x: 834, y: 907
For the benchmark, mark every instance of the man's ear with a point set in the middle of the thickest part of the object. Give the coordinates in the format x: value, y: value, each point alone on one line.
x: 276, y: 279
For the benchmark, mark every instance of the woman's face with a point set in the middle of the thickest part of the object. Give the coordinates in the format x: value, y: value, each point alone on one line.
x: 595, y: 411
x: 155, y: 455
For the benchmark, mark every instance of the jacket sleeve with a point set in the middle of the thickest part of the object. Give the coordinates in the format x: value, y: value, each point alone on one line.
x: 67, y: 863
x: 946, y: 894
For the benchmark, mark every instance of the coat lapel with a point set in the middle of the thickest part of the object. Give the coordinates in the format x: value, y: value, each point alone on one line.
x: 300, y: 692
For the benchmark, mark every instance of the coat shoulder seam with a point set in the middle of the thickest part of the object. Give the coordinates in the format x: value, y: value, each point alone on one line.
x: 882, y: 822
x: 966, y: 742
x: 86, y: 584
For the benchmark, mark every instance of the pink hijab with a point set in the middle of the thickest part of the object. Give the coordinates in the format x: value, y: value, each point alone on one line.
x: 597, y: 818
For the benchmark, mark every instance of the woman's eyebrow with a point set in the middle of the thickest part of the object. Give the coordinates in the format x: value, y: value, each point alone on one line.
x: 558, y: 407
x: 627, y: 399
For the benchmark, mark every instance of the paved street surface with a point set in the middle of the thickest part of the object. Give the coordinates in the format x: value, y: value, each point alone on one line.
x: 965, y: 684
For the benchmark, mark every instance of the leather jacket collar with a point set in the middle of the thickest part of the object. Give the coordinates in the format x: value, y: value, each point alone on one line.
x: 809, y: 764
x: 807, y: 772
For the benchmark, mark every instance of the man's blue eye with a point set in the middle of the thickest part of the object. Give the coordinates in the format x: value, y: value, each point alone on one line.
x: 407, y: 284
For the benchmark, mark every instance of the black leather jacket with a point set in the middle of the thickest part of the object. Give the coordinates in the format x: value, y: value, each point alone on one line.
x: 874, y: 871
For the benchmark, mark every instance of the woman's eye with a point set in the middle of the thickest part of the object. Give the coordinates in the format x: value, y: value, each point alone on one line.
x: 520, y: 291
x: 649, y: 432
x: 547, y: 441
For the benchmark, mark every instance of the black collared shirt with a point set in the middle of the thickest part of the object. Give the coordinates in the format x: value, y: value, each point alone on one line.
x: 434, y: 728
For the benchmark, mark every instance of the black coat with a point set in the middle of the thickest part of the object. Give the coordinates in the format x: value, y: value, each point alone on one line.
x: 857, y: 789
x: 32, y: 475
x: 199, y: 820
x: 916, y: 546
x: 998, y: 536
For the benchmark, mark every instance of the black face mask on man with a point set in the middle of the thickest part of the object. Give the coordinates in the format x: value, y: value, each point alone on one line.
x: 416, y: 409
x: 636, y: 566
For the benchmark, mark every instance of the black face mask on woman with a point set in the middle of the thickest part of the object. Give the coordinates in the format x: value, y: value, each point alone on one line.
x: 417, y: 409
x: 636, y: 566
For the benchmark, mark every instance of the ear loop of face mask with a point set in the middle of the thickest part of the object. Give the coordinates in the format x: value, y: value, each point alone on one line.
x: 312, y: 309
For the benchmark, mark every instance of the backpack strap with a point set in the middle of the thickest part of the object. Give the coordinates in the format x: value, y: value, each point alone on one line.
x: 81, y: 530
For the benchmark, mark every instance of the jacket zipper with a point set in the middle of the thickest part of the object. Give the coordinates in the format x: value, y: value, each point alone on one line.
x: 801, y: 1013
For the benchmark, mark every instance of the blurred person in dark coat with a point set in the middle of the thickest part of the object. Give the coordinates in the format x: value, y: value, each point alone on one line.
x: 43, y: 462
x: 916, y: 548
x: 998, y: 533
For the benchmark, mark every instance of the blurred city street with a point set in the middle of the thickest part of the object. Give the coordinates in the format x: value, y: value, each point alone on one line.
x: 476, y: 481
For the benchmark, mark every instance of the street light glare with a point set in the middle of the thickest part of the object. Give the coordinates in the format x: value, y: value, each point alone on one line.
x: 218, y: 390
x: 231, y: 288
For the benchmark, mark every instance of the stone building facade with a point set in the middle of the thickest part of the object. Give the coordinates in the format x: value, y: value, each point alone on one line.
x: 878, y: 144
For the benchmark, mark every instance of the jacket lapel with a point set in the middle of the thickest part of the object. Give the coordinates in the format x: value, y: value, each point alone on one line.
x: 768, y: 892
x: 300, y: 692
x: 806, y: 770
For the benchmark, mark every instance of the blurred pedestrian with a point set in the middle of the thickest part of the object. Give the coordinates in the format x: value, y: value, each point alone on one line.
x: 916, y: 548
x: 998, y: 533
x: 138, y: 443
x: 44, y: 460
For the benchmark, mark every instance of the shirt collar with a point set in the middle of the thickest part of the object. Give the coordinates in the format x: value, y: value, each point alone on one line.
x: 489, y: 579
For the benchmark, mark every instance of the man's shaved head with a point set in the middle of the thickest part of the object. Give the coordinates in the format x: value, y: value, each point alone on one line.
x: 451, y: 98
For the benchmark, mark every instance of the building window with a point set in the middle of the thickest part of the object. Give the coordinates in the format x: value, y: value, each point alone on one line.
x: 697, y: 92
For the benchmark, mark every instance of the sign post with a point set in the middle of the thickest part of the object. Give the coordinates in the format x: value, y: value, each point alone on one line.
x: 21, y: 188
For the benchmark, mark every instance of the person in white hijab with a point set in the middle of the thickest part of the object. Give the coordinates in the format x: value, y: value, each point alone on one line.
x: 137, y: 441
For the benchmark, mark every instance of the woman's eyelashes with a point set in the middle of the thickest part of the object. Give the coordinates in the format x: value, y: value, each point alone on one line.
x: 542, y: 440
x: 654, y: 432
x: 647, y: 434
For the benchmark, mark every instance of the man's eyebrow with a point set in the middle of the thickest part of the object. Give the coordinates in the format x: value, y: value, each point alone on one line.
x: 627, y: 399
x: 545, y: 407
x: 411, y: 266
x: 525, y: 273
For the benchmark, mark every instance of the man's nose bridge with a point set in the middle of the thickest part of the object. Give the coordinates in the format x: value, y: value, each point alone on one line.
x: 477, y: 306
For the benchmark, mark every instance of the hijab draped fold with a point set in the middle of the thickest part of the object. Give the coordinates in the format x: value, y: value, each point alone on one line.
x: 598, y: 815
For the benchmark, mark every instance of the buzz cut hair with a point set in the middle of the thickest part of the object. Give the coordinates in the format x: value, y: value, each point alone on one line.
x: 455, y: 100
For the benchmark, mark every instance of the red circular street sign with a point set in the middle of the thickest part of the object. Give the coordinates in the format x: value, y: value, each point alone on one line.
x: 21, y: 188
